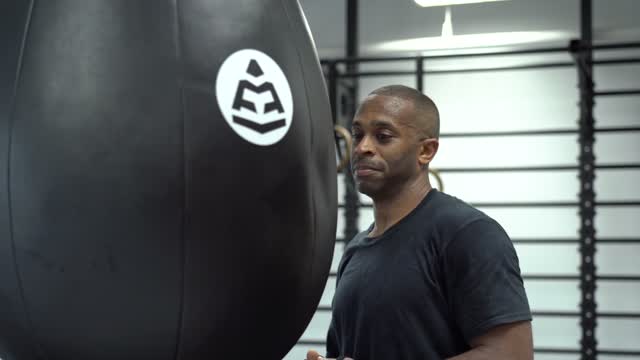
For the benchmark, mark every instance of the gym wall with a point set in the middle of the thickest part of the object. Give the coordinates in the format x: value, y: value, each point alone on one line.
x: 546, y: 237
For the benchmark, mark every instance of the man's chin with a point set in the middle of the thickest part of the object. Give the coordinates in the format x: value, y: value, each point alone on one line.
x: 367, y: 189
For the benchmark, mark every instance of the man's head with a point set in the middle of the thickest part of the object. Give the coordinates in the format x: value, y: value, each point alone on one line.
x: 395, y: 133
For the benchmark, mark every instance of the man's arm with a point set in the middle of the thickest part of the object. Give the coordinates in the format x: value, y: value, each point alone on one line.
x: 504, y: 342
x: 487, y: 294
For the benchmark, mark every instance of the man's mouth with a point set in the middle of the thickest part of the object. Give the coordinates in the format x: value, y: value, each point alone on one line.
x: 363, y: 170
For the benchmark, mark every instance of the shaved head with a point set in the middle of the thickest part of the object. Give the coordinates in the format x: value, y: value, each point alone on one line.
x: 426, y: 117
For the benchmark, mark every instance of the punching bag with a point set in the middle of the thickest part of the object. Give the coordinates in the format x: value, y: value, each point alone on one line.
x: 167, y: 179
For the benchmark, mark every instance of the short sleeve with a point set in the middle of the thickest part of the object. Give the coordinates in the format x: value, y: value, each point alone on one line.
x: 333, y: 337
x: 484, y: 286
x: 332, y: 341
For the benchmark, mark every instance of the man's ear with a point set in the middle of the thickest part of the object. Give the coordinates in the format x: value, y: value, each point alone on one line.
x: 428, y: 150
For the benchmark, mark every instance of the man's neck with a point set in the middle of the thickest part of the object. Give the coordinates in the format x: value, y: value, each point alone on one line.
x: 389, y: 210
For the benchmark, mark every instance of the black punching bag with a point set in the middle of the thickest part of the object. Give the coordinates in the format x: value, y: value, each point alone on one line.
x: 167, y: 179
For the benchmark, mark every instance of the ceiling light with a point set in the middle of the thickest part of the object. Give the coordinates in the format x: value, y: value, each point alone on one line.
x: 428, y: 3
x: 471, y: 41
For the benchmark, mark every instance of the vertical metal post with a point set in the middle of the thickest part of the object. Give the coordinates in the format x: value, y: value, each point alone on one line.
x: 419, y: 73
x: 351, y: 199
x: 587, y: 195
x: 352, y: 24
x: 332, y: 84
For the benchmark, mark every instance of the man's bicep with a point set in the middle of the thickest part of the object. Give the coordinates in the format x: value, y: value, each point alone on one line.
x: 483, y: 279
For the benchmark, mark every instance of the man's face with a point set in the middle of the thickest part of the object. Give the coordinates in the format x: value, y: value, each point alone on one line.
x: 386, y: 145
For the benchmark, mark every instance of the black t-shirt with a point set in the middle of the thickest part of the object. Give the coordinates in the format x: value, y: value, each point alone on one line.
x: 441, y: 276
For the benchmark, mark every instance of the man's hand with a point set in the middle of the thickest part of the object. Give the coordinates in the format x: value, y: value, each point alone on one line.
x: 313, y: 355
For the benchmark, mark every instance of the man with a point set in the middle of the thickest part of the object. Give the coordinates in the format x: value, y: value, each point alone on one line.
x: 433, y: 277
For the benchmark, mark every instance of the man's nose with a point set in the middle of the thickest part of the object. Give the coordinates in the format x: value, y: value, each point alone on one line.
x: 364, y: 146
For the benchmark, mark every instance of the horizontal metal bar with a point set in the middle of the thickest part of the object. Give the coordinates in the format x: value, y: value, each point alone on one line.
x: 513, y: 204
x: 551, y: 242
x: 617, y: 129
x: 347, y: 60
x: 613, y: 46
x: 532, y: 204
x: 551, y: 313
x: 361, y: 205
x: 577, y: 277
x: 536, y: 132
x: 619, y: 352
x: 618, y: 166
x: 551, y: 65
x: 510, y: 133
x: 607, y: 315
x: 351, y: 60
x: 505, y: 204
x: 617, y: 92
x: 617, y: 277
x: 456, y: 71
x: 535, y: 168
x: 545, y: 242
x: 508, y: 168
x: 376, y: 73
x: 312, y: 342
x: 319, y: 342
x: 556, y: 351
x: 555, y: 313
x: 617, y: 203
x: 551, y: 277
x: 616, y: 61
x: 617, y: 241
x: 618, y: 315
x: 448, y: 56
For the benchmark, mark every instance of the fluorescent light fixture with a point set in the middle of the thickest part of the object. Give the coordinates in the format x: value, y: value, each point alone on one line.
x: 471, y: 41
x: 429, y: 3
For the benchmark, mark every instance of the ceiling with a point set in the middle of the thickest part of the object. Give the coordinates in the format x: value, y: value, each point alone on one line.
x: 389, y: 20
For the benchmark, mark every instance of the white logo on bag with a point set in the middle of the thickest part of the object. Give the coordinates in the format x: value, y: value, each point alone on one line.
x: 254, y: 97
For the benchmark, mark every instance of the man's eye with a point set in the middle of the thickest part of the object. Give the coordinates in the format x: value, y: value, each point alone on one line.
x: 383, y: 137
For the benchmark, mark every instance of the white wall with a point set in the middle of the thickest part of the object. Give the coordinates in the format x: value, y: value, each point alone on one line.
x: 529, y: 100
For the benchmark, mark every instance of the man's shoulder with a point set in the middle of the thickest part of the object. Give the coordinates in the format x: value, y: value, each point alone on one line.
x: 356, y: 241
x: 459, y: 222
x: 450, y: 214
x: 451, y: 208
x: 350, y: 247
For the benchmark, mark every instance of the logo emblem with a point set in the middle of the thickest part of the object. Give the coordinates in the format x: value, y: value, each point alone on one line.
x: 254, y: 97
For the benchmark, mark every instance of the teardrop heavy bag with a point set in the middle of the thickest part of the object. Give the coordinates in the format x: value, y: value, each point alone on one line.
x: 167, y: 176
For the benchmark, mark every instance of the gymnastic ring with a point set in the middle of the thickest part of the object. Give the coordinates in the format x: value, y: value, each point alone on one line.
x: 436, y: 174
x: 342, y: 132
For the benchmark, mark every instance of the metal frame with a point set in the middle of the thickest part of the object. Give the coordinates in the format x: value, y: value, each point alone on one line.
x: 585, y: 167
x: 351, y: 195
x: 583, y: 56
x: 343, y: 72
